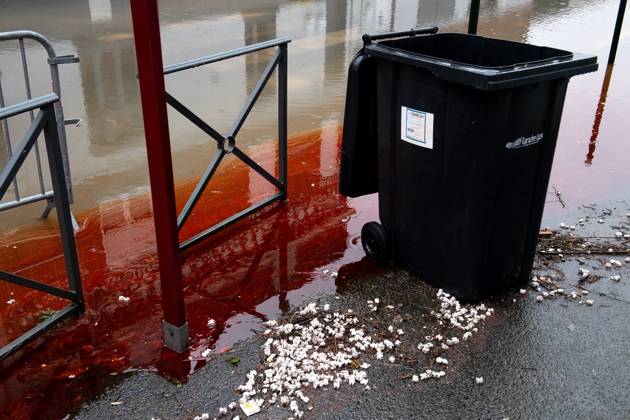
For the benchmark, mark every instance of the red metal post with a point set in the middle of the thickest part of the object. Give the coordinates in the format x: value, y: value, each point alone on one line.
x: 146, y: 29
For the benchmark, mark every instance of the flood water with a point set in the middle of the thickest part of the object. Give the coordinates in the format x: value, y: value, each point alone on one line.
x: 265, y: 266
x: 107, y: 150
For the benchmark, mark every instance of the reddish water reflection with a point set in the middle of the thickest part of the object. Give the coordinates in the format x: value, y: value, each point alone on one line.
x: 252, y: 271
x: 599, y: 113
x: 245, y: 274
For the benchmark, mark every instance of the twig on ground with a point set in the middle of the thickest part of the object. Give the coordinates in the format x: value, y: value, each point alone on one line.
x: 558, y: 195
x: 613, y: 298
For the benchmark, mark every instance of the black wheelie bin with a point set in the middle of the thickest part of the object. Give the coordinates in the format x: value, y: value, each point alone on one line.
x: 457, y: 135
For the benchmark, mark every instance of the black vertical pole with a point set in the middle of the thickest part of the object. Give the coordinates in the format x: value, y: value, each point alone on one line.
x: 617, y: 33
x: 62, y: 204
x: 474, y: 17
x: 282, y: 119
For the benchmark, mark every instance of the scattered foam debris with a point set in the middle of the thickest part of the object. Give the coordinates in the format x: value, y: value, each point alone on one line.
x: 251, y: 407
x: 321, y: 348
x: 428, y: 374
x: 616, y: 263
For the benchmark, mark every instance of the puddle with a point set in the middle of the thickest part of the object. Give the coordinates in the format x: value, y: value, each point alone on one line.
x: 264, y: 266
x: 107, y: 150
x: 249, y: 273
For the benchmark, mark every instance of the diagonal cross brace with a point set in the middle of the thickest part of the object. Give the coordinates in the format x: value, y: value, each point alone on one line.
x: 181, y: 108
x: 36, y: 285
x: 253, y: 97
x: 262, y: 171
x: 226, y: 145
x: 199, y: 188
x: 20, y: 153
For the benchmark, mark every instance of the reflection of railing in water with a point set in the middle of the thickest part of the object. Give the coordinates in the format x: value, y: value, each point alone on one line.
x: 592, y: 144
x: 473, y: 21
x: 53, y: 61
x: 601, y: 104
x: 227, y: 144
x: 44, y: 121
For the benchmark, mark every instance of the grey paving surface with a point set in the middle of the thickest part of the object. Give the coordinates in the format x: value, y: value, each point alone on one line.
x: 549, y: 360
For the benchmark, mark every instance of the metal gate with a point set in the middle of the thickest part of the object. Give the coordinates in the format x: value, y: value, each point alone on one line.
x: 54, y: 60
x: 227, y: 144
x: 44, y: 121
x: 46, y: 116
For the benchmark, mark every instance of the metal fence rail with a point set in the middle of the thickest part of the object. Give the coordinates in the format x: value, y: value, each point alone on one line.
x: 53, y: 61
x: 227, y: 144
x: 44, y: 121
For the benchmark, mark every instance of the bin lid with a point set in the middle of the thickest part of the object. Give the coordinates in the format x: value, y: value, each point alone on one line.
x: 481, y: 62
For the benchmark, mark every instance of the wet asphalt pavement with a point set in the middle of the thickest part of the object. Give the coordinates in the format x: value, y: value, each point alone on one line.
x: 550, y: 359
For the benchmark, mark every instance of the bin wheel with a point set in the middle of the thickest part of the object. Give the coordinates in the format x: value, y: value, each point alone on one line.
x: 374, y: 241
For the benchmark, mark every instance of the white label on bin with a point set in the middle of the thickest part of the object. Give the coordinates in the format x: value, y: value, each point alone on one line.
x: 416, y: 127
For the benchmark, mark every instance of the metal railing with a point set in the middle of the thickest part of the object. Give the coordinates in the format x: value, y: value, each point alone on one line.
x: 227, y: 144
x: 45, y: 120
x: 53, y: 61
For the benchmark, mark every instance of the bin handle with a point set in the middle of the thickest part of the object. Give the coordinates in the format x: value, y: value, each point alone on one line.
x: 367, y: 39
